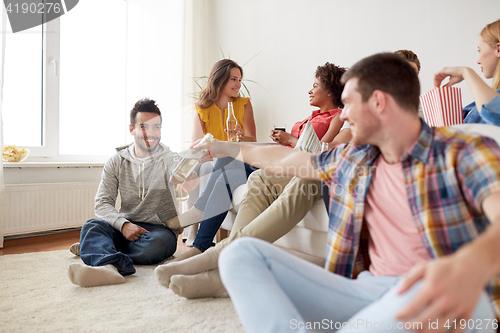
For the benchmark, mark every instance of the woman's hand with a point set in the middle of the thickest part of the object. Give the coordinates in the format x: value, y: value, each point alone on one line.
x: 280, y: 136
x: 481, y: 92
x: 240, y: 134
x: 456, y: 75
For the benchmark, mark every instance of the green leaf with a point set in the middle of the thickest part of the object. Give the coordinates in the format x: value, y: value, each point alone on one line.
x: 246, y: 88
x: 255, y: 83
x: 251, y: 59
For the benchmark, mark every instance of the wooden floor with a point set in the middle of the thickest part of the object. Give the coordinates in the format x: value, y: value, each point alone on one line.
x: 60, y: 241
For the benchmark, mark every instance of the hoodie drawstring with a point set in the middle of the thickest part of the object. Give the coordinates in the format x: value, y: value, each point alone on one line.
x: 143, y: 181
x: 141, y: 175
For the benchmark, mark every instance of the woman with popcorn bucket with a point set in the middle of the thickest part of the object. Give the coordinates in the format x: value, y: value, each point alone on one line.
x: 486, y: 107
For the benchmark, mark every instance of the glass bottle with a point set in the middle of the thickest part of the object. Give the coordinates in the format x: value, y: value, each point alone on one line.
x: 190, y: 161
x: 231, y: 123
x: 179, y: 193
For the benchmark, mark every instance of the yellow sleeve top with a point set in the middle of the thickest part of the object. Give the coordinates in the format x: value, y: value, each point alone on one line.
x: 212, y: 117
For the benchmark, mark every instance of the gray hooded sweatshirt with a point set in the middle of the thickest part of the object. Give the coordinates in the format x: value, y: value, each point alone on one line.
x: 145, y: 192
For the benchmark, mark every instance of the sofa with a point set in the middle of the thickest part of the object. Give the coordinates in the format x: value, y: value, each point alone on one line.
x: 308, y: 239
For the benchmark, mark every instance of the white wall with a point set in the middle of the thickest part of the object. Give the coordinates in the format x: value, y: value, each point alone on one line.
x: 295, y: 36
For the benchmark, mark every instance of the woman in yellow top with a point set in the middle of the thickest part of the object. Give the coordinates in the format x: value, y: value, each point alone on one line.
x: 223, y: 86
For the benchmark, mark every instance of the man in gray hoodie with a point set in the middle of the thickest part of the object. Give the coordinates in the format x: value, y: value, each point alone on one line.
x: 137, y: 233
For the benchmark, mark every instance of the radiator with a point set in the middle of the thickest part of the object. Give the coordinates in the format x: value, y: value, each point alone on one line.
x: 45, y: 207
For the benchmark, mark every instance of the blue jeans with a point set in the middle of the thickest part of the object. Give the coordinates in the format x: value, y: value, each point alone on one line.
x: 216, y: 199
x: 101, y: 244
x: 274, y: 291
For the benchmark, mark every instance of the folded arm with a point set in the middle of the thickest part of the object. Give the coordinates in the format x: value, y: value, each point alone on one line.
x: 481, y: 92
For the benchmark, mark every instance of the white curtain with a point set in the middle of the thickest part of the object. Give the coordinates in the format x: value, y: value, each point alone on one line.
x: 198, y: 60
x: 3, y: 25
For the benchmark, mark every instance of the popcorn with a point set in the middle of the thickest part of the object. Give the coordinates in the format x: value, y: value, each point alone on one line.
x: 443, y: 106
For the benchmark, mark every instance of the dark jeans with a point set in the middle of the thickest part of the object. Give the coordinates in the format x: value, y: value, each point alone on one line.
x: 101, y: 244
x: 216, y: 199
x: 325, y: 192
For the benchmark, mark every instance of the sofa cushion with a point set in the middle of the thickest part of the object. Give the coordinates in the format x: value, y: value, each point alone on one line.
x: 481, y: 129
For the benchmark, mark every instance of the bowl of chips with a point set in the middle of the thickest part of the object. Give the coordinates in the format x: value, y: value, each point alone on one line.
x: 14, y: 154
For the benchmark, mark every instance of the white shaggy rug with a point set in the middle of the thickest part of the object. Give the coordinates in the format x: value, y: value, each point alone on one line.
x: 36, y: 295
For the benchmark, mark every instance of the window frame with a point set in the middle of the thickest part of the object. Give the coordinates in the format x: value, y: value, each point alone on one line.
x: 49, y: 150
x: 50, y: 107
x: 50, y: 93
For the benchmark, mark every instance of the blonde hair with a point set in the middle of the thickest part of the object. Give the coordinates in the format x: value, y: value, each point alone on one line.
x: 491, y: 36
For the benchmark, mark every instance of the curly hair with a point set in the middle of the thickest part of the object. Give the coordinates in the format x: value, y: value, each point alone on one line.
x: 217, y: 79
x: 329, y: 75
x: 144, y: 105
x: 409, y: 56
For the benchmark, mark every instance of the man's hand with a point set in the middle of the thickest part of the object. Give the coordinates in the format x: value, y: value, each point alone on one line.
x: 218, y: 149
x: 452, y: 287
x: 205, y: 147
x: 191, y: 182
x: 132, y: 232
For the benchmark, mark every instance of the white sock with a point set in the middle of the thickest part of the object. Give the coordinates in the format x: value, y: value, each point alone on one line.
x: 200, y: 263
x: 191, y: 236
x: 174, y: 224
x: 206, y: 284
x: 89, y: 276
x: 192, y: 216
x: 75, y: 249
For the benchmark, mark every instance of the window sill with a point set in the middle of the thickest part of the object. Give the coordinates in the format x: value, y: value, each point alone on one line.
x: 22, y: 165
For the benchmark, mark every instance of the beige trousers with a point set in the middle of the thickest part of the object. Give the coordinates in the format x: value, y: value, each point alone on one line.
x: 272, y: 206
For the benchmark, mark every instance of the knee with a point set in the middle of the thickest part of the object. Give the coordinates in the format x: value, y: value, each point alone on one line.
x: 158, y: 248
x: 206, y: 169
x: 95, y: 223
x: 304, y: 187
x: 256, y: 176
x: 221, y: 181
x: 241, y: 250
x: 255, y: 180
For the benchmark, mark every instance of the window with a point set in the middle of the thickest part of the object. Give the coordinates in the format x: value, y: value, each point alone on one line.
x: 23, y: 88
x: 70, y: 84
x: 92, y: 112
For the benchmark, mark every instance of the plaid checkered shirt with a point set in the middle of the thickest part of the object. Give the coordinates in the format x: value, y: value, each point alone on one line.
x: 447, y: 176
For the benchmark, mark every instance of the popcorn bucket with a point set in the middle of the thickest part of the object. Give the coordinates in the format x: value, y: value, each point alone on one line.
x: 443, y: 106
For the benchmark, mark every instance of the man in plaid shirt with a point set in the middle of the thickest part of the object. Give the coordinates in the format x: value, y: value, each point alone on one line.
x: 415, y: 209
